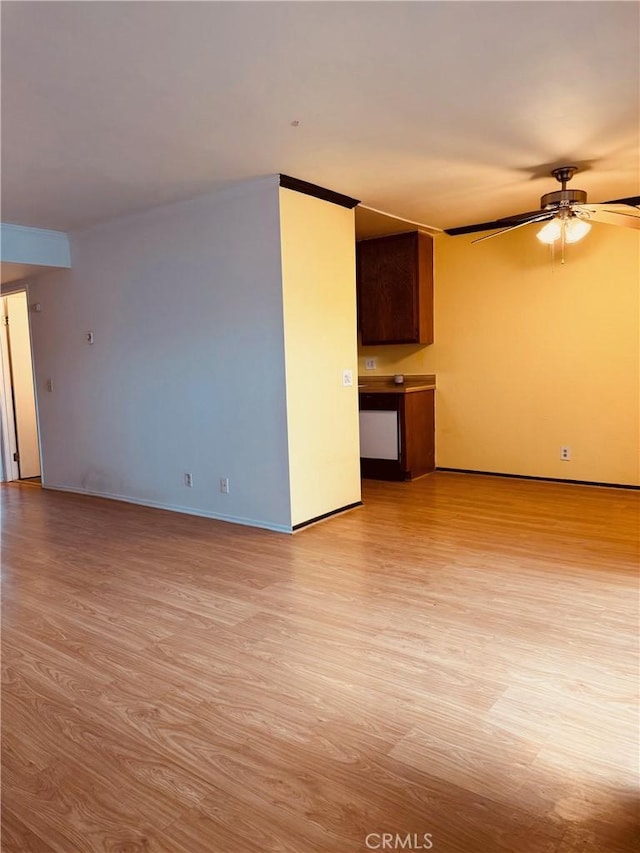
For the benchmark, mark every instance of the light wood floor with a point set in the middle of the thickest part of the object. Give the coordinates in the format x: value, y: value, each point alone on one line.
x: 458, y: 658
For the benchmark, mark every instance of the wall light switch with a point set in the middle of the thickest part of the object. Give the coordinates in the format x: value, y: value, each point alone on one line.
x: 347, y: 378
x: 90, y: 338
x: 49, y: 384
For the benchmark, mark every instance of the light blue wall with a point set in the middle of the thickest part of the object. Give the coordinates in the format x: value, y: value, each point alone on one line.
x: 186, y: 373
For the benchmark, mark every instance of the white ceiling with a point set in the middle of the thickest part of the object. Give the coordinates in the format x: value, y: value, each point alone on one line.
x: 446, y: 113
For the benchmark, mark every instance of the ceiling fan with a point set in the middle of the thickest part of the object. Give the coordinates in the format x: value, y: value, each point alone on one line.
x: 567, y: 214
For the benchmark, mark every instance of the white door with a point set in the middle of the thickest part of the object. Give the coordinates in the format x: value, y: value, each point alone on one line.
x: 24, y: 400
x: 8, y: 444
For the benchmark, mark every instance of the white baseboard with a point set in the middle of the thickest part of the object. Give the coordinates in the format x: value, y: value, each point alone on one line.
x: 232, y: 519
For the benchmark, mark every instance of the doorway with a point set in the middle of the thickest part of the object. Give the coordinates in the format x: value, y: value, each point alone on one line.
x: 19, y: 422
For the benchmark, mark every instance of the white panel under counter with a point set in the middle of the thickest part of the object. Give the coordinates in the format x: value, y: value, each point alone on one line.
x: 379, y: 434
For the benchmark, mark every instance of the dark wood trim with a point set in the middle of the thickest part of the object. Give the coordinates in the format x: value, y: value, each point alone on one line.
x: 541, y: 479
x: 314, y: 190
x: 326, y: 515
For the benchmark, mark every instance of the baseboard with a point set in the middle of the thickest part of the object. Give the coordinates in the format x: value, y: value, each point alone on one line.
x: 231, y: 519
x: 543, y: 479
x: 326, y: 515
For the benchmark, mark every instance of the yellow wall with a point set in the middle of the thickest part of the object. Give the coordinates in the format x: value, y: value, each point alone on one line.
x: 530, y: 355
x: 318, y: 274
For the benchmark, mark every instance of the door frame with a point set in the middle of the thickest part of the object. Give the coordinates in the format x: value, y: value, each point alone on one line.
x: 8, y: 435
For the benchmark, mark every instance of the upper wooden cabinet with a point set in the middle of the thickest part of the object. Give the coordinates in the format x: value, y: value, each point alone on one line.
x: 395, y: 289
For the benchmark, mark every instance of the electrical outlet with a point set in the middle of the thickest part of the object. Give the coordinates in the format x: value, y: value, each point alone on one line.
x: 224, y: 485
x: 188, y: 480
x: 565, y: 454
x: 49, y: 384
x: 370, y: 363
x: 347, y: 378
x: 90, y: 338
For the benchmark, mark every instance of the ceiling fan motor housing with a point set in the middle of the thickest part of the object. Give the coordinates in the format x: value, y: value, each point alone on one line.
x: 563, y: 198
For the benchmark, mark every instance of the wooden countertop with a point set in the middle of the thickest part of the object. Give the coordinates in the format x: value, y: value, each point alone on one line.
x: 386, y: 385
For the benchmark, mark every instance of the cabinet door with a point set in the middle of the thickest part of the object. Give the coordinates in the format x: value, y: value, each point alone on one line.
x: 418, y: 428
x: 388, y: 307
x: 395, y: 289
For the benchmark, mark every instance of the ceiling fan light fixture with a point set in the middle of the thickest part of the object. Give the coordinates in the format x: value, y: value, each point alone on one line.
x: 550, y: 232
x: 576, y: 229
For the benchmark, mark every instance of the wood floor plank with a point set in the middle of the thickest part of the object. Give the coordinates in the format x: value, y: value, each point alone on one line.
x: 459, y: 657
x: 76, y: 809
x: 18, y: 838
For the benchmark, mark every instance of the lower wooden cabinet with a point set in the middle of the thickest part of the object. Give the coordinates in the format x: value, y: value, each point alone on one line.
x: 414, y: 435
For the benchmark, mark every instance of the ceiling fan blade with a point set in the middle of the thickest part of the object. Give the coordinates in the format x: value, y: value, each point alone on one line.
x: 621, y: 219
x: 606, y: 214
x: 630, y: 201
x: 624, y: 209
x: 495, y: 223
x: 538, y: 218
x: 520, y: 217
